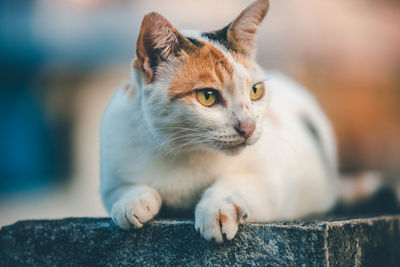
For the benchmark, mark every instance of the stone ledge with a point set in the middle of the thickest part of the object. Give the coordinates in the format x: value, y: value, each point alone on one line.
x: 97, y: 241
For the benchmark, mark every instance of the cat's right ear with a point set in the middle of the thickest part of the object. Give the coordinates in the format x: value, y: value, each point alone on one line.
x: 158, y: 41
x: 240, y: 34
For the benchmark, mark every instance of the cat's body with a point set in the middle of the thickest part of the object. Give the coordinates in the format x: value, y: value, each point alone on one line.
x: 280, y: 157
x: 271, y: 157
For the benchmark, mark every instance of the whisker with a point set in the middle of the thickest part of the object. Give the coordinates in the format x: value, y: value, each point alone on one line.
x: 192, y: 137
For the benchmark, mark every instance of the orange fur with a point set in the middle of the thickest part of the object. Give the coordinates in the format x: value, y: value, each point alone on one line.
x: 129, y: 88
x: 206, y: 67
x: 126, y: 87
x: 237, y: 214
x: 221, y: 218
x: 132, y: 92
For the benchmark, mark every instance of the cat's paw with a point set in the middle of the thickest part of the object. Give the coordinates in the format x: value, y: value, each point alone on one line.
x: 220, y: 219
x: 137, y: 209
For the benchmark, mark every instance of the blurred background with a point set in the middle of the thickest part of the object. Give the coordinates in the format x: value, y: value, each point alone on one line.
x: 60, y: 62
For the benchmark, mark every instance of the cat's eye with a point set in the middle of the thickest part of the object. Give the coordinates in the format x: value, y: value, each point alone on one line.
x: 257, y: 91
x: 207, y: 97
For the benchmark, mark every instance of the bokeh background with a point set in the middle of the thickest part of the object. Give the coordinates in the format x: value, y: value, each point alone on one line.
x: 60, y: 62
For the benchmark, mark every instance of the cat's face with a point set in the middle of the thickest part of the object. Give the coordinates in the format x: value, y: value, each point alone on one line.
x: 203, y: 90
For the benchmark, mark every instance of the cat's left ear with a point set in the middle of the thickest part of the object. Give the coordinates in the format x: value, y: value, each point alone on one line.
x: 158, y: 41
x: 240, y: 34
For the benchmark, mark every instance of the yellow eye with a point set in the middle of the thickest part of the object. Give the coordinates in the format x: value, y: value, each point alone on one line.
x: 257, y: 91
x: 207, y: 97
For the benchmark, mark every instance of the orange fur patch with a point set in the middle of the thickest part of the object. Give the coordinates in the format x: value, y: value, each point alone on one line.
x: 237, y: 213
x: 126, y: 87
x: 206, y: 67
x: 221, y: 218
x: 132, y: 92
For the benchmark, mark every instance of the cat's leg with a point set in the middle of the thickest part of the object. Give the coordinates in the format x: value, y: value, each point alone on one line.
x: 132, y: 205
x: 229, y: 202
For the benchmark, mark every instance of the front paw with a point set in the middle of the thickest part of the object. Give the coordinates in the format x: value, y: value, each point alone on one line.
x: 136, y: 209
x: 220, y: 219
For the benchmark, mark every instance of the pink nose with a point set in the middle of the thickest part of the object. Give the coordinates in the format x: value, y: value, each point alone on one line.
x: 245, y: 129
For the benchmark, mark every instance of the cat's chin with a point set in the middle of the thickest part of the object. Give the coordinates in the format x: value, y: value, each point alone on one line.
x: 235, y: 149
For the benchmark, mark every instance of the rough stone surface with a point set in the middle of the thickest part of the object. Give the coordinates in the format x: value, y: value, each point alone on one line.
x: 364, y: 242
x: 97, y: 241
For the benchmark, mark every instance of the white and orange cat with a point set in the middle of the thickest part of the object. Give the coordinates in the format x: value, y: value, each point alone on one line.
x: 201, y: 126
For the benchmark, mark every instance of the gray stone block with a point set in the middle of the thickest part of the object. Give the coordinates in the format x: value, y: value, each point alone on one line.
x: 97, y: 241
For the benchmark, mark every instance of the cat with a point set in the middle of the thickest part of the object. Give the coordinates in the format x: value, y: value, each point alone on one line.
x: 201, y: 126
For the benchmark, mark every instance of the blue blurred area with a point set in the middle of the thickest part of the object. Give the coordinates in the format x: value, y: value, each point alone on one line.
x: 18, y: 53
x: 36, y: 33
x: 34, y: 149
x: 26, y: 147
x: 26, y: 152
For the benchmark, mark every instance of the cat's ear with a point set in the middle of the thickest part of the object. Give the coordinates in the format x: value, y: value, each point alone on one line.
x: 240, y: 34
x: 158, y: 41
x: 242, y: 31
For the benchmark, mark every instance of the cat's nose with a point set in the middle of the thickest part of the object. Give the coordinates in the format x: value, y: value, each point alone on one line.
x: 245, y: 129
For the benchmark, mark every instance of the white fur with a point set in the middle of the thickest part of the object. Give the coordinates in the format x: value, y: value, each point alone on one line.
x: 279, y: 175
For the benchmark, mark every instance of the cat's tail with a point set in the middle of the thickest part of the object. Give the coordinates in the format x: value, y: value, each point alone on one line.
x: 356, y: 188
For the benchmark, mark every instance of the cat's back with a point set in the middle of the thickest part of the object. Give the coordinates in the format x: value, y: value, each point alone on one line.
x: 300, y: 113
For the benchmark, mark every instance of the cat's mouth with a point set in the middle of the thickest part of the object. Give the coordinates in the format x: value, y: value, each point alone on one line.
x: 232, y: 147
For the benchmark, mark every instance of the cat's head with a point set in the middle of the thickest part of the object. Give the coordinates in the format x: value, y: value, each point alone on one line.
x: 202, y: 90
